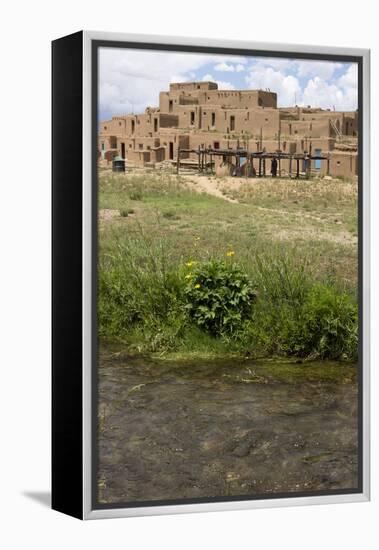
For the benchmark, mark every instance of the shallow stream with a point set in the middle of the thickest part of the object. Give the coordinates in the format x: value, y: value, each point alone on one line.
x: 195, y: 429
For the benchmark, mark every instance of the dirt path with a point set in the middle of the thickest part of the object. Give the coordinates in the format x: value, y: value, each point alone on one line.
x: 203, y: 184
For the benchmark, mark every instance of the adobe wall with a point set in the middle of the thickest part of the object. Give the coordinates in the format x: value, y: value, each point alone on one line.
x: 189, y: 86
x: 343, y: 164
x: 239, y: 98
x: 198, y: 114
x: 310, y: 128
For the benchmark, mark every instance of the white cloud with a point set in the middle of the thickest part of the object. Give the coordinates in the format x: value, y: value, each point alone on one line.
x: 279, y: 63
x: 224, y: 67
x: 319, y: 93
x: 229, y: 68
x: 321, y: 69
x: 286, y: 86
x: 130, y: 80
x: 222, y: 85
x: 341, y: 94
x: 179, y: 78
x: 135, y: 78
x: 350, y: 78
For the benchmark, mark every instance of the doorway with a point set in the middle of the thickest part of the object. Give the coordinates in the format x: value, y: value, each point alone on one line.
x: 171, y: 150
x: 317, y: 153
x: 123, y: 150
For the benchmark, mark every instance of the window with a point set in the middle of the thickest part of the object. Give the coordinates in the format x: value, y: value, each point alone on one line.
x: 216, y: 145
x: 155, y: 125
x: 140, y: 146
x: 105, y: 127
x: 102, y: 146
x: 133, y: 126
x: 232, y: 123
x: 170, y: 104
x: 198, y: 86
x: 119, y: 123
x: 213, y: 119
x: 192, y: 120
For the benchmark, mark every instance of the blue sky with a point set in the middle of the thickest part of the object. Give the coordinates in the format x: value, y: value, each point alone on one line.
x: 130, y: 80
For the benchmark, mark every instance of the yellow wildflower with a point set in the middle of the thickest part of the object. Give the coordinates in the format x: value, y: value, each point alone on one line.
x: 189, y: 276
x: 189, y: 264
x: 230, y: 253
x: 197, y: 286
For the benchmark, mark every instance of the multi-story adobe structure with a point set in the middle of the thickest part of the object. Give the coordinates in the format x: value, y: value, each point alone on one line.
x: 197, y: 114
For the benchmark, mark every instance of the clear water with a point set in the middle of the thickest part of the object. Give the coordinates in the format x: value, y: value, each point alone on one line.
x: 224, y: 428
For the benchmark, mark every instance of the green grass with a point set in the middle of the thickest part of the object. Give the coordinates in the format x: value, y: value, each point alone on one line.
x: 285, y: 237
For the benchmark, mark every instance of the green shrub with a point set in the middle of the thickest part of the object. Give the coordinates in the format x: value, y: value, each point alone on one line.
x: 298, y: 316
x: 327, y: 326
x: 124, y: 212
x: 135, y: 195
x: 171, y: 215
x: 219, y: 297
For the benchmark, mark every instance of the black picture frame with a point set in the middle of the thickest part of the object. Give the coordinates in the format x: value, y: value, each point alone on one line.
x: 74, y: 77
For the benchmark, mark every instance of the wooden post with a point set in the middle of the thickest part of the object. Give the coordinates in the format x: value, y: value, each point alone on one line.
x: 178, y: 161
x: 210, y: 156
x: 279, y: 165
x: 247, y: 164
x: 290, y: 167
x: 260, y: 167
x: 198, y: 159
x: 297, y: 168
x: 264, y: 167
x: 309, y: 164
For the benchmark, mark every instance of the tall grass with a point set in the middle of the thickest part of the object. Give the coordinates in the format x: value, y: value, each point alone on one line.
x: 296, y: 315
x: 143, y: 301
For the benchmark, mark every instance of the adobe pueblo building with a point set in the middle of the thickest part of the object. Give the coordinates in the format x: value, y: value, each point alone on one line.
x: 233, y: 132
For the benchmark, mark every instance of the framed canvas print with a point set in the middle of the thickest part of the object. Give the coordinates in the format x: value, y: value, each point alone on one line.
x: 210, y: 275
